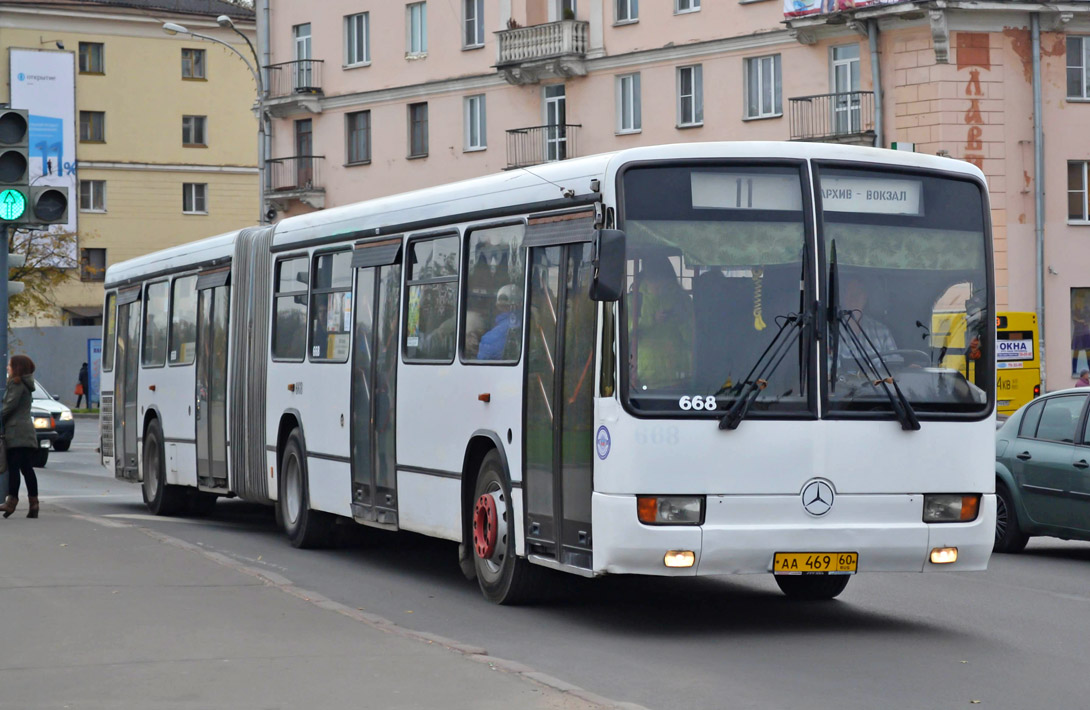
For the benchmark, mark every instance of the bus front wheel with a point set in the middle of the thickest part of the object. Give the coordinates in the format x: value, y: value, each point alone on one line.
x: 812, y: 587
x: 502, y: 576
x: 305, y: 528
x: 160, y: 497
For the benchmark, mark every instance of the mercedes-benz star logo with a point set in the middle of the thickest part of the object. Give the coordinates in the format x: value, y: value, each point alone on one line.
x: 817, y: 497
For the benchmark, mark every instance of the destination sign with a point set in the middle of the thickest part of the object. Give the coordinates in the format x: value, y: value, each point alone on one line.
x: 741, y: 191
x: 872, y: 195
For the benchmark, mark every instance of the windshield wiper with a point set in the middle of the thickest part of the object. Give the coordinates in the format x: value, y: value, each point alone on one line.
x: 865, y: 354
x: 757, y: 379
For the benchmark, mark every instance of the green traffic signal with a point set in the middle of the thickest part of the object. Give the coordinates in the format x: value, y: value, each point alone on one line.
x: 12, y: 205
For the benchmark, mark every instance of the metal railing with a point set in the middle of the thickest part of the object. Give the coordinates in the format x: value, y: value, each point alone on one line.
x: 302, y: 76
x: 534, y: 145
x: 295, y: 173
x: 552, y: 39
x: 832, y: 116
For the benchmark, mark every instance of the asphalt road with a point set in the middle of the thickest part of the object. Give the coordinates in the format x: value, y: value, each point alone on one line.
x: 1016, y: 636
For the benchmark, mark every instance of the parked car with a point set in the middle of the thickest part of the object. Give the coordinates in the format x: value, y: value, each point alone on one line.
x: 65, y: 423
x: 1042, y: 471
x: 45, y: 427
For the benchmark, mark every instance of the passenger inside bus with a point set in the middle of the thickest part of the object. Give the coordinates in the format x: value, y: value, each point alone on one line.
x: 501, y: 339
x: 854, y: 298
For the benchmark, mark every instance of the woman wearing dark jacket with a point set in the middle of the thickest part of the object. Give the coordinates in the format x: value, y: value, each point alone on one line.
x: 19, y: 435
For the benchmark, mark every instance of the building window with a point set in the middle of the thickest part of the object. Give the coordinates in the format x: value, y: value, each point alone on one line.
x: 418, y: 130
x: 562, y: 10
x: 193, y: 64
x: 473, y: 11
x: 416, y: 22
x: 195, y: 198
x: 331, y: 307
x: 91, y: 58
x: 1078, y: 209
x: 92, y: 264
x: 92, y: 126
x: 357, y: 39
x: 1080, y: 330
x: 763, y: 90
x: 629, y: 118
x: 686, y: 5
x: 358, y: 139
x: 1078, y: 67
x: 193, y: 131
x: 289, y: 336
x: 92, y: 195
x: 628, y: 10
x: 690, y: 96
x: 183, y: 321
x: 475, y: 123
x: 432, y: 290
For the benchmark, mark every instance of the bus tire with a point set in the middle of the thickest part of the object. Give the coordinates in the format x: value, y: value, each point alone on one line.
x: 161, y: 498
x: 305, y: 528
x: 1008, y: 535
x: 812, y: 587
x: 503, y: 577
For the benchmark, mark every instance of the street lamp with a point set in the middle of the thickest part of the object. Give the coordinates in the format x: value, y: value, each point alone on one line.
x: 173, y: 28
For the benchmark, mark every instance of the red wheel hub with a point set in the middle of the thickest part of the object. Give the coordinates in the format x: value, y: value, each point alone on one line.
x: 484, y: 526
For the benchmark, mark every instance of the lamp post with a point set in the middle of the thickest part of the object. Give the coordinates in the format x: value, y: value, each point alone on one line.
x: 172, y: 28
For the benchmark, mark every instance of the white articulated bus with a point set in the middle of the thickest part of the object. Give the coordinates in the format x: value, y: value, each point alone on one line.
x: 676, y: 360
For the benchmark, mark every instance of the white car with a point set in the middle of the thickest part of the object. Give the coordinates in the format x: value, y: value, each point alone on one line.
x: 62, y: 416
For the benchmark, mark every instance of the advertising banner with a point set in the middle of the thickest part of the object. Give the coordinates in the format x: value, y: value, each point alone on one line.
x: 43, y: 82
x: 801, y: 8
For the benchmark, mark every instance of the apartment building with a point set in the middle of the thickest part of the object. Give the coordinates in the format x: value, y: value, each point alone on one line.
x: 164, y: 129
x: 371, y: 97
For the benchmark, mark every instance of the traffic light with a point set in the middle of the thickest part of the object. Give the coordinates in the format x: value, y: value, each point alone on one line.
x: 14, y: 165
x: 14, y: 262
x: 48, y: 205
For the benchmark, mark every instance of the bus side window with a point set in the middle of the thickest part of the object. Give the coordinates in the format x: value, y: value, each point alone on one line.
x: 110, y: 332
x: 156, y: 316
x: 431, y: 316
x: 289, y: 336
x: 495, y: 274
x: 183, y: 321
x: 331, y: 307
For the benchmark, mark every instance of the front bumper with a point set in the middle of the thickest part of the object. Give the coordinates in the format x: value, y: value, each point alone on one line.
x: 738, y: 537
x: 66, y: 430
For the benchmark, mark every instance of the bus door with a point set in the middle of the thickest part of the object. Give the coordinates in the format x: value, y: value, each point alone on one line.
x: 126, y: 374
x: 374, y: 382
x: 211, y: 395
x: 558, y: 399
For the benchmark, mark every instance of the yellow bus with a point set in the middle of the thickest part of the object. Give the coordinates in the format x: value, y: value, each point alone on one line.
x: 1018, y: 364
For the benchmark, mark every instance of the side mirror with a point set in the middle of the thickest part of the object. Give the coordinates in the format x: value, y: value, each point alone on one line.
x: 609, y: 265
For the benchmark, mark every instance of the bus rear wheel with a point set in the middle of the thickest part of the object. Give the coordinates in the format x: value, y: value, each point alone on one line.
x: 160, y: 497
x: 812, y: 587
x: 502, y: 576
x: 305, y: 528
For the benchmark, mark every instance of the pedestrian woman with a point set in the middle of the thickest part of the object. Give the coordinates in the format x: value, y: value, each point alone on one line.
x: 81, y: 388
x: 19, y: 437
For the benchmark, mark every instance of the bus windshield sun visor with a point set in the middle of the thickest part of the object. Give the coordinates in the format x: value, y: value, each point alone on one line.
x: 866, y: 355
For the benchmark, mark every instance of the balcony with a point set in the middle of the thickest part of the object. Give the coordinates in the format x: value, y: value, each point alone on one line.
x: 535, y: 145
x: 555, y: 50
x: 846, y: 117
x: 297, y: 178
x: 294, y: 87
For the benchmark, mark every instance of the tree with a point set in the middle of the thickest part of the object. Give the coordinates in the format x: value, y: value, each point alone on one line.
x: 49, y: 263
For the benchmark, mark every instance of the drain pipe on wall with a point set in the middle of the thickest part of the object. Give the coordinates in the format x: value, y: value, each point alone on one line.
x: 876, y: 80
x: 1039, y: 189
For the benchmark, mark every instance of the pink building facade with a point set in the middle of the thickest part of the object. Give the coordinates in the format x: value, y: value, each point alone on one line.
x: 372, y: 97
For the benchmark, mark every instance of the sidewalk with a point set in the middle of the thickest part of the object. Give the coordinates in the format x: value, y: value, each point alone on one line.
x: 100, y: 614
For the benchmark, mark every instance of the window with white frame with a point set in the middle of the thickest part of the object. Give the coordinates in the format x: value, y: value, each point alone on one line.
x: 686, y: 5
x: 628, y: 10
x: 690, y: 95
x: 92, y: 195
x: 357, y: 39
x: 194, y: 198
x: 1078, y: 208
x: 358, y: 138
x: 763, y: 87
x: 1078, y: 67
x: 193, y: 131
x: 472, y: 23
x: 416, y: 25
x: 475, y: 123
x: 629, y: 113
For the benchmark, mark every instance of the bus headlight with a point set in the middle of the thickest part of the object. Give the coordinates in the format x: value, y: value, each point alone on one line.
x: 42, y: 423
x: 66, y: 416
x: 950, y: 508
x: 670, y: 510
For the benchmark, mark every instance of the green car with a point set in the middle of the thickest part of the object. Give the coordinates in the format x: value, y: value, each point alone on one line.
x: 1042, y: 471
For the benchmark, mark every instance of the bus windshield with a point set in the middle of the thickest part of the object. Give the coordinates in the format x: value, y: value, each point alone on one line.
x: 715, y: 267
x: 910, y: 253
